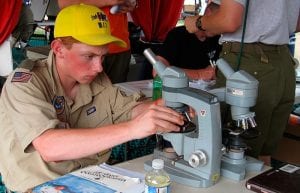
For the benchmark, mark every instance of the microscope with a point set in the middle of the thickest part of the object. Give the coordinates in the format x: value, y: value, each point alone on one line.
x: 201, y: 158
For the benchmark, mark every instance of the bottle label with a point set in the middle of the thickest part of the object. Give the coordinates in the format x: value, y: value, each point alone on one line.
x: 152, y: 189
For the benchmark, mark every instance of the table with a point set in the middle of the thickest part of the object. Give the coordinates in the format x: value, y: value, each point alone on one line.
x: 143, y: 86
x: 224, y: 185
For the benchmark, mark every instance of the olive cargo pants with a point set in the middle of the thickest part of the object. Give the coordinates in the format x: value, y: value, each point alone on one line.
x: 273, y: 67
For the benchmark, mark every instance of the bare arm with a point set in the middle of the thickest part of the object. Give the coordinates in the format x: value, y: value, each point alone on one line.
x: 98, y: 3
x: 127, y: 6
x: 68, y: 144
x: 207, y: 73
x: 228, y: 18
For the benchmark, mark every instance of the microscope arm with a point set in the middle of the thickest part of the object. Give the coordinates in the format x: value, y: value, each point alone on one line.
x: 201, y: 148
x: 219, y: 92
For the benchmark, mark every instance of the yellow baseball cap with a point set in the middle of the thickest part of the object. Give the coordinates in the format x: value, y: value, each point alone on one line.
x: 85, y: 23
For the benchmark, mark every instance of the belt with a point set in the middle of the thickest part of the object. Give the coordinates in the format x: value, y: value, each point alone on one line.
x: 251, y: 47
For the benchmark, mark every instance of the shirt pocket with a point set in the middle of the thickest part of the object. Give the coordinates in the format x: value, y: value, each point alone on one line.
x: 93, y: 117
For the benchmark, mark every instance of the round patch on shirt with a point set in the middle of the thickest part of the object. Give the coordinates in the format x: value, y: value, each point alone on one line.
x: 59, y: 104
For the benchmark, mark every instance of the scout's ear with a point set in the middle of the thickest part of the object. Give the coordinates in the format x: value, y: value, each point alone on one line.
x: 57, y: 46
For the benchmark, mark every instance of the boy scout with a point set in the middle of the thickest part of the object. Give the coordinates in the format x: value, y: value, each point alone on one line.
x: 62, y: 113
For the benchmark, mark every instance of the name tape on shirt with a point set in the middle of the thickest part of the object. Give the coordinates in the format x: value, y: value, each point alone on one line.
x: 91, y: 110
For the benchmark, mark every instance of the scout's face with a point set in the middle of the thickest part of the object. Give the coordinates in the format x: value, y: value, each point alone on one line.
x: 80, y: 62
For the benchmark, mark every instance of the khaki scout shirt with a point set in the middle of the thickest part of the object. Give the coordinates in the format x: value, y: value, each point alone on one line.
x: 33, y: 101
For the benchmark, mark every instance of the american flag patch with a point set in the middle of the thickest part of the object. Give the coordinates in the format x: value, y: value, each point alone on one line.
x: 21, y: 77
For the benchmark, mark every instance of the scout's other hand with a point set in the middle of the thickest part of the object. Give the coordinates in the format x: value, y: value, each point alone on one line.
x: 155, y: 119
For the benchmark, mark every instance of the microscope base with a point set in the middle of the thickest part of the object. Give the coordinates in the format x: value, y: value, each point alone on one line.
x: 179, y: 175
x: 236, y: 169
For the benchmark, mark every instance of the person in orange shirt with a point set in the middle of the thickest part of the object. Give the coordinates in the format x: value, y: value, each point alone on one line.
x: 116, y: 63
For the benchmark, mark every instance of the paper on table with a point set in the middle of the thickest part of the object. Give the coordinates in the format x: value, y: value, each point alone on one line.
x: 201, y: 84
x: 139, y: 177
x: 113, y: 178
x: 93, y: 179
x: 143, y: 86
x: 123, y: 171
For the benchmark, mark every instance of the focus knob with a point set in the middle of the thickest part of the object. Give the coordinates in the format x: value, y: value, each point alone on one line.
x: 198, y: 158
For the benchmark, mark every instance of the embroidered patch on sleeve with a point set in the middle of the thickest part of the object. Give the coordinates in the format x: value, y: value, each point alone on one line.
x: 21, y: 77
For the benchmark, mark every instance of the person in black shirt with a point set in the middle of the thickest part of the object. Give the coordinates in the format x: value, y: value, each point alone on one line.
x: 192, y: 52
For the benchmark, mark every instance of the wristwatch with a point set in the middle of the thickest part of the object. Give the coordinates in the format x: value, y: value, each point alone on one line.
x: 199, y: 24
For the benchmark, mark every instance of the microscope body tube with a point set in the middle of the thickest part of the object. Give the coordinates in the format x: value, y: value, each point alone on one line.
x: 224, y: 67
x: 157, y: 64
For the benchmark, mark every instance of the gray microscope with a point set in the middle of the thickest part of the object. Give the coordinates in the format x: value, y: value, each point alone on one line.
x: 201, y: 158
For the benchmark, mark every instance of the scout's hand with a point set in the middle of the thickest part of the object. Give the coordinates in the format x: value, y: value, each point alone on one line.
x: 155, y: 119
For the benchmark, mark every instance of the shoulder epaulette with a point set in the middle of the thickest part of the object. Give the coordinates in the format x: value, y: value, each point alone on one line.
x: 27, y: 64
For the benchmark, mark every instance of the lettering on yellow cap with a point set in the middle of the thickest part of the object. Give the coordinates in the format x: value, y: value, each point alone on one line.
x: 103, y: 21
x: 102, y: 24
x: 100, y: 16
